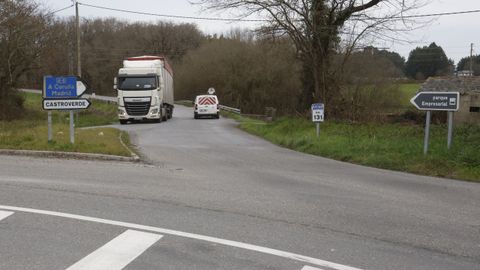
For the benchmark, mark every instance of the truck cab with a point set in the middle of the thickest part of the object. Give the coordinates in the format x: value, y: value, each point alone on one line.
x: 144, y: 89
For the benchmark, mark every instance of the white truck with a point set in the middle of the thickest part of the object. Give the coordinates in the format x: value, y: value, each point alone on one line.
x: 145, y: 89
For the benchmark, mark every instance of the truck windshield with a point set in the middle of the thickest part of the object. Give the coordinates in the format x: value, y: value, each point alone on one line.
x: 137, y: 83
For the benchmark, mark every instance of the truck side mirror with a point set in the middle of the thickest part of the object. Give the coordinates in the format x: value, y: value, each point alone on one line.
x: 115, y: 83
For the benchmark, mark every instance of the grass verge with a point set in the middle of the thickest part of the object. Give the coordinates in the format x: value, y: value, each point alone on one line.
x: 31, y: 132
x: 389, y: 146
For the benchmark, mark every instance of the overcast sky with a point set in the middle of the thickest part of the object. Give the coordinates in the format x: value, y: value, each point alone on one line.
x: 453, y: 33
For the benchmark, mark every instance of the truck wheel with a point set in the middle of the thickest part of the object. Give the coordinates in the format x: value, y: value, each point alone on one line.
x: 195, y: 115
x: 123, y: 122
x: 217, y: 116
x: 164, y: 114
x: 170, y: 113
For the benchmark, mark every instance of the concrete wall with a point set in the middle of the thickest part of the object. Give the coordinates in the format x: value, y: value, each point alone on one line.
x: 464, y: 116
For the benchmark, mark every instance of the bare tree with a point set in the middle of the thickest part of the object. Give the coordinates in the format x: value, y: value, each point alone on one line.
x: 322, y: 29
x: 23, y: 36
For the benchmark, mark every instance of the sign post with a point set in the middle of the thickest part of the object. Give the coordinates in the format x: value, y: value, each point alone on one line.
x: 62, y: 93
x: 437, y: 101
x: 318, y: 113
x: 427, y: 132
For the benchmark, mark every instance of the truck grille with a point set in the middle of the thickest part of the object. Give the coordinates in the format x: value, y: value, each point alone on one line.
x: 137, y: 108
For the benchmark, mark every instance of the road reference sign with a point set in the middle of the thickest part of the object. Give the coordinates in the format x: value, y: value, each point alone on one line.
x: 437, y: 101
x: 63, y: 93
x: 66, y: 104
x: 317, y: 112
x: 63, y: 87
x: 318, y: 115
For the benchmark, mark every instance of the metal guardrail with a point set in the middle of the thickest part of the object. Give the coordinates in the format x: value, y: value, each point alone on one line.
x: 230, y: 109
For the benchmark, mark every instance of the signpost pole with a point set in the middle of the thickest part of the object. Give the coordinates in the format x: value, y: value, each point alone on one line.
x: 318, y: 129
x: 427, y: 132
x: 450, y: 130
x: 49, y: 126
x: 72, y: 130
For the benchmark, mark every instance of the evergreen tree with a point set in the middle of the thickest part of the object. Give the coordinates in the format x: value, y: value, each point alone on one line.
x: 428, y: 61
x: 464, y: 64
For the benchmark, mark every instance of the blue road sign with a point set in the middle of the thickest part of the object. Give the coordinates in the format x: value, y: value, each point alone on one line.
x: 60, y: 87
x: 317, y: 106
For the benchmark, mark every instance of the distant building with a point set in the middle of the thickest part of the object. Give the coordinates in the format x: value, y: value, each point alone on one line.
x: 465, y: 73
x: 469, y: 88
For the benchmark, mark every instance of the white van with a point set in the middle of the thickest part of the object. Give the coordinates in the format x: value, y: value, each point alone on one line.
x: 206, y: 105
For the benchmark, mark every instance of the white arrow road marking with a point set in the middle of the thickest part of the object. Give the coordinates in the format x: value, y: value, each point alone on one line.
x: 270, y: 251
x: 5, y: 214
x: 310, y: 268
x: 119, y: 252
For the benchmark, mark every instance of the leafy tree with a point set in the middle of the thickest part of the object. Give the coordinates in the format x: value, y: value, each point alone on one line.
x: 393, y: 58
x: 319, y: 29
x: 23, y: 36
x: 428, y: 61
x: 464, y: 64
x: 246, y: 74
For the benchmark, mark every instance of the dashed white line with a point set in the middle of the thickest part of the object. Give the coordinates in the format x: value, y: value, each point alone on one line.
x: 5, y: 214
x: 119, y: 252
x: 270, y: 251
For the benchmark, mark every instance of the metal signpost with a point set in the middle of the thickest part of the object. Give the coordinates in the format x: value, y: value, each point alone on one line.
x: 62, y: 93
x: 437, y: 101
x: 318, y: 112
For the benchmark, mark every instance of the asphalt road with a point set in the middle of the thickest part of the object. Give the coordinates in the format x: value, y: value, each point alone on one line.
x: 205, y: 178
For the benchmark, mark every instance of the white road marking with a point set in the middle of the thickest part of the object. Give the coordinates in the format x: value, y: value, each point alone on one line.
x: 5, y: 214
x: 270, y: 251
x: 310, y: 268
x: 119, y: 252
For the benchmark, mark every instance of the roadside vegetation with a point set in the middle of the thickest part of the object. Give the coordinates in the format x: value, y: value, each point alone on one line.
x: 31, y: 131
x: 389, y: 146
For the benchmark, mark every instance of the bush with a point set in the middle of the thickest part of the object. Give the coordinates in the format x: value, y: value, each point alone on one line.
x: 11, y: 106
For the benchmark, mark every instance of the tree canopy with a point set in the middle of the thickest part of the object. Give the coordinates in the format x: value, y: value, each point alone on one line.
x: 464, y: 64
x: 322, y: 30
x: 428, y: 61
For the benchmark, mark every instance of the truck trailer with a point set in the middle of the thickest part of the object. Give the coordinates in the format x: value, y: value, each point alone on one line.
x: 145, y: 89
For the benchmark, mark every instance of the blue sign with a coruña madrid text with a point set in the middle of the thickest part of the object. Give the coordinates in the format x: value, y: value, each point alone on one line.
x: 60, y: 87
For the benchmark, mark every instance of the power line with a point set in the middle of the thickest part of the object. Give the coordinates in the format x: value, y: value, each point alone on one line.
x: 58, y: 10
x: 173, y: 16
x: 441, y: 14
x: 263, y: 20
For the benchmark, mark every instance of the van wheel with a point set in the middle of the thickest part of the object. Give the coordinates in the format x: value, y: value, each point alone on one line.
x: 123, y: 122
x: 195, y: 115
x: 217, y: 116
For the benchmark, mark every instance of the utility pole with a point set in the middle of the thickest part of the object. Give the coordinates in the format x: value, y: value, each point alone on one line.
x: 471, y: 59
x: 79, y: 70
x: 79, y: 59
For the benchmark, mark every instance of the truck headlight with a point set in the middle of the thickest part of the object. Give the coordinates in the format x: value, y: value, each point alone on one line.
x: 155, y: 101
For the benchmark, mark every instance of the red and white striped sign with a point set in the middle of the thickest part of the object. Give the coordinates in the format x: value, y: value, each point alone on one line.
x: 207, y: 101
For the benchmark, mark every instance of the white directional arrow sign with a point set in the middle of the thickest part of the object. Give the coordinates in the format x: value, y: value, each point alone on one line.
x: 66, y: 104
x: 81, y: 88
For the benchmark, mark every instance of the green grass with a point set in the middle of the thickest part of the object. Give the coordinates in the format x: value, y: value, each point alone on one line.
x: 390, y: 146
x: 31, y: 132
x: 409, y: 90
